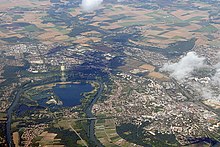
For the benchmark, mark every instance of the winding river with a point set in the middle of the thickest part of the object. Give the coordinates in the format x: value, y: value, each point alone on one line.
x: 88, y: 111
x: 9, y: 114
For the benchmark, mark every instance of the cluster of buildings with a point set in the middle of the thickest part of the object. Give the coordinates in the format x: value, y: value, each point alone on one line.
x: 31, y: 132
x: 162, y: 104
x: 40, y: 58
x: 147, y: 56
x: 6, y: 97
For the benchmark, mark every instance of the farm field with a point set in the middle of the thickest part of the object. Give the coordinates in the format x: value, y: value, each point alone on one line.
x: 105, y: 131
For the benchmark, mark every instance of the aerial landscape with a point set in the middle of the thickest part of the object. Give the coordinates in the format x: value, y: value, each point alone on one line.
x: 110, y: 73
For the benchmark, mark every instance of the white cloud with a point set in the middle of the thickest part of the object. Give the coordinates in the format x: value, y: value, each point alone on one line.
x: 185, y: 66
x: 90, y: 5
x: 216, y: 77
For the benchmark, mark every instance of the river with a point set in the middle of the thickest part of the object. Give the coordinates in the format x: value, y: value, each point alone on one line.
x: 88, y: 111
x: 9, y: 114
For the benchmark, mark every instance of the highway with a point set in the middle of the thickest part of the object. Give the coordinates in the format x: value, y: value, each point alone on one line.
x: 198, y: 102
x: 190, y: 98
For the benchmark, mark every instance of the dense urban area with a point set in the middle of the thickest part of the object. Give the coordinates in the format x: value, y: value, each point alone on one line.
x: 109, y: 73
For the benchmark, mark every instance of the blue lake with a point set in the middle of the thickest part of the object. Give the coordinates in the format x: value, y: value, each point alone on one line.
x: 71, y: 94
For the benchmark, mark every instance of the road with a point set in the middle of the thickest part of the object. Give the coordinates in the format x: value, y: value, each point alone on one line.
x: 198, y: 102
x: 88, y: 111
x: 78, y: 136
x: 190, y: 98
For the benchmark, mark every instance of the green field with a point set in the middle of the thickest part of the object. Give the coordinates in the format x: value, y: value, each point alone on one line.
x: 208, y: 29
x: 105, y: 131
x: 32, y: 28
